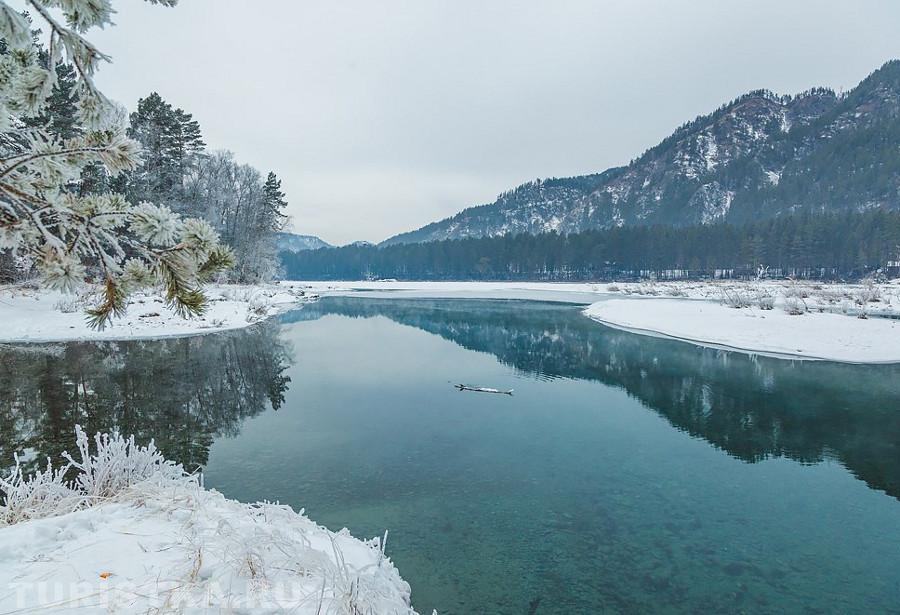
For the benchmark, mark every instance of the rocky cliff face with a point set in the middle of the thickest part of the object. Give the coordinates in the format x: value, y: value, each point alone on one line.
x: 760, y: 155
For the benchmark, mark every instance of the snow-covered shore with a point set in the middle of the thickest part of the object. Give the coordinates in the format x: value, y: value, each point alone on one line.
x: 170, y: 546
x: 136, y: 535
x: 35, y: 315
x: 808, y: 321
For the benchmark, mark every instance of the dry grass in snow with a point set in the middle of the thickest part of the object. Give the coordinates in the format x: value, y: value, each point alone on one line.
x: 132, y: 533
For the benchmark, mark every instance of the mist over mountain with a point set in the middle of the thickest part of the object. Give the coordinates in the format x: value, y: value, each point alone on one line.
x: 759, y: 156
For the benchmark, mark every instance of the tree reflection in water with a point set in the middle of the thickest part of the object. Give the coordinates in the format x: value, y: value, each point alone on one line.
x: 181, y: 392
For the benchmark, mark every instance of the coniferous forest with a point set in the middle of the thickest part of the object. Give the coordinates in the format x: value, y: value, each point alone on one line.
x: 831, y: 246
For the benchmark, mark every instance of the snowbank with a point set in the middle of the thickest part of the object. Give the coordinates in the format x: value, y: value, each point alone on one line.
x: 145, y: 538
x: 32, y: 315
x: 812, y: 335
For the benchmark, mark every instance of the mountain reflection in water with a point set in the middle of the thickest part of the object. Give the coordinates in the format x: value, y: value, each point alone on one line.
x: 752, y: 407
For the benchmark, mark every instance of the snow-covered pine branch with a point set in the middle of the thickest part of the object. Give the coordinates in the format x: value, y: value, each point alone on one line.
x: 73, y: 238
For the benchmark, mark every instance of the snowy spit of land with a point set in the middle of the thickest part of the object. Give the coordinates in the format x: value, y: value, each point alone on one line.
x: 133, y: 533
x: 834, y: 322
x: 29, y: 313
x: 782, y: 318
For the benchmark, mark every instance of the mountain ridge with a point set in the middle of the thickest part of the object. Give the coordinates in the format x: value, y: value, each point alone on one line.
x: 292, y: 242
x: 759, y: 155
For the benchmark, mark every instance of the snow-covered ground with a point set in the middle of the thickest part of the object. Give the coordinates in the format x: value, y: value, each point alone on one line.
x: 851, y: 299
x: 28, y: 314
x: 796, y: 320
x: 833, y: 337
x: 144, y: 538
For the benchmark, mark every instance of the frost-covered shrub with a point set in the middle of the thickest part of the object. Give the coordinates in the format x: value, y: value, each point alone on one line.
x: 613, y: 288
x: 869, y: 293
x: 674, y: 291
x: 42, y: 494
x: 242, y: 294
x: 795, y: 291
x: 735, y: 298
x: 795, y: 306
x: 257, y: 308
x: 116, y: 465
x: 765, y: 301
x: 831, y: 297
x: 68, y: 304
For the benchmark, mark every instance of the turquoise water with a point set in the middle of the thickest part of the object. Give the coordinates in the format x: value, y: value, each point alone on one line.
x: 626, y: 474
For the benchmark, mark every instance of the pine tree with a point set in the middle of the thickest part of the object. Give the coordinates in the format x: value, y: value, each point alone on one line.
x: 274, y: 204
x: 168, y: 136
x: 59, y: 114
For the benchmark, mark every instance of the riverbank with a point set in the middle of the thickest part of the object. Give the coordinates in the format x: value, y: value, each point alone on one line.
x: 764, y: 320
x: 134, y: 534
x: 30, y: 314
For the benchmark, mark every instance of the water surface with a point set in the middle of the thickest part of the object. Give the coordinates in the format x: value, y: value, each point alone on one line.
x: 626, y: 473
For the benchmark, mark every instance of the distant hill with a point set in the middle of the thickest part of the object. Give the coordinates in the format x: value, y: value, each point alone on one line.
x: 759, y: 156
x: 289, y: 242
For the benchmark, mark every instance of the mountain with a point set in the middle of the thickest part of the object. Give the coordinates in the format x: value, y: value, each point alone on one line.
x: 289, y: 242
x: 758, y: 156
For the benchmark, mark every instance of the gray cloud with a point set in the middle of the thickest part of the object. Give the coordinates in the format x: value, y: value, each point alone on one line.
x: 382, y: 116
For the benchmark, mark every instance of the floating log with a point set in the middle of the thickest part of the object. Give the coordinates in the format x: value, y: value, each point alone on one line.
x: 465, y: 387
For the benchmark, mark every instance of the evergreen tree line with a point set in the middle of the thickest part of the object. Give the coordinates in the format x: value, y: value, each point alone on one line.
x: 246, y: 208
x: 243, y: 206
x: 847, y: 245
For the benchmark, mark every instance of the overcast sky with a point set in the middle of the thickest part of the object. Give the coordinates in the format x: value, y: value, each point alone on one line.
x: 383, y: 116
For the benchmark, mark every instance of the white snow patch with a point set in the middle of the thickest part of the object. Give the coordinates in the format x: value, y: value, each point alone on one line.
x: 714, y: 200
x: 553, y: 224
x: 710, y: 150
x: 774, y: 177
x: 785, y: 121
x: 813, y: 335
x: 41, y: 315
